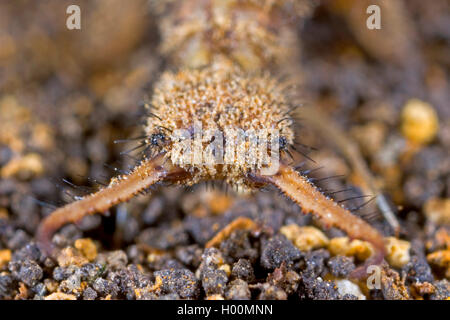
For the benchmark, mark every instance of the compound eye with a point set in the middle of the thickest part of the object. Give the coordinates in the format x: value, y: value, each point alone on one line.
x: 282, y: 143
x: 158, y: 139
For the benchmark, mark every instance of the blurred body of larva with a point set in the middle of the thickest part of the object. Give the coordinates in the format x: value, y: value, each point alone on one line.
x: 223, y: 93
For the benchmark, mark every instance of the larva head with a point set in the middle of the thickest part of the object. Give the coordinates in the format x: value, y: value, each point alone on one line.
x: 219, y: 123
x: 255, y: 34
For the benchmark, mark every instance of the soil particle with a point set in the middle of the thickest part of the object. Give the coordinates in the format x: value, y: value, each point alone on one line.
x: 238, y: 290
x: 40, y: 290
x: 340, y: 266
x: 190, y: 255
x: 419, y: 121
x: 305, y: 238
x: 422, y: 289
x: 214, y: 281
x: 270, y: 292
x: 173, y: 264
x: 316, y: 262
x: 51, y: 285
x: 417, y: 270
x: 439, y: 240
x: 117, y: 259
x: 438, y: 210
x: 153, y: 211
x: 397, y: 252
x: 135, y: 254
x: 287, y: 280
x: 243, y: 269
x: 418, y: 189
x: 162, y: 261
x: 130, y: 229
x: 238, y: 246
x: 90, y: 272
x: 27, y: 271
x: 87, y: 248
x: 271, y: 218
x: 18, y: 240
x: 442, y: 290
x: 89, y: 294
x: 181, y: 282
x: 392, y: 287
x: 25, y: 209
x: 212, y: 258
x: 67, y: 236
x: 164, y: 238
x: 62, y: 273
x: 70, y: 256
x: 129, y: 280
x: 440, y: 260
x: 349, y: 290
x: 213, y: 277
x: 276, y: 250
x: 7, y: 286
x: 346, y: 247
x: 105, y: 287
x: 60, y: 296
x: 200, y: 228
x: 72, y: 284
x: 5, y: 155
x: 240, y: 223
x: 312, y: 287
x: 29, y: 252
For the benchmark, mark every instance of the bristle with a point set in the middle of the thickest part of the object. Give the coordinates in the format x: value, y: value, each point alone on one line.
x: 306, y: 172
x: 129, y: 139
x: 305, y: 155
x: 354, y: 198
x: 339, y: 191
x: 96, y: 181
x: 45, y: 204
x: 81, y: 188
x: 141, y: 145
x: 115, y: 169
x: 316, y: 180
x: 364, y: 204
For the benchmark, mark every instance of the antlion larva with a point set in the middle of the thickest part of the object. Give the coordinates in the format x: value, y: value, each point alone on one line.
x: 222, y: 96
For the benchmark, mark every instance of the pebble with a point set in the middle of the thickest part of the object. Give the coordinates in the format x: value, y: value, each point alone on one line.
x: 214, y: 281
x: 397, y: 251
x: 305, y: 238
x: 347, y: 287
x: 5, y: 257
x: 346, y: 247
x: 437, y: 210
x: 27, y: 271
x: 276, y: 250
x: 181, y: 281
x: 238, y: 290
x: 340, y: 266
x: 87, y: 248
x: 243, y: 269
x: 60, y: 296
x: 70, y: 256
x: 419, y: 121
x: 117, y: 259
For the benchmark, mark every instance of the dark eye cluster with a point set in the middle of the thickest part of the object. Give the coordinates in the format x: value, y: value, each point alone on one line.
x: 158, y: 139
x: 283, y: 143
